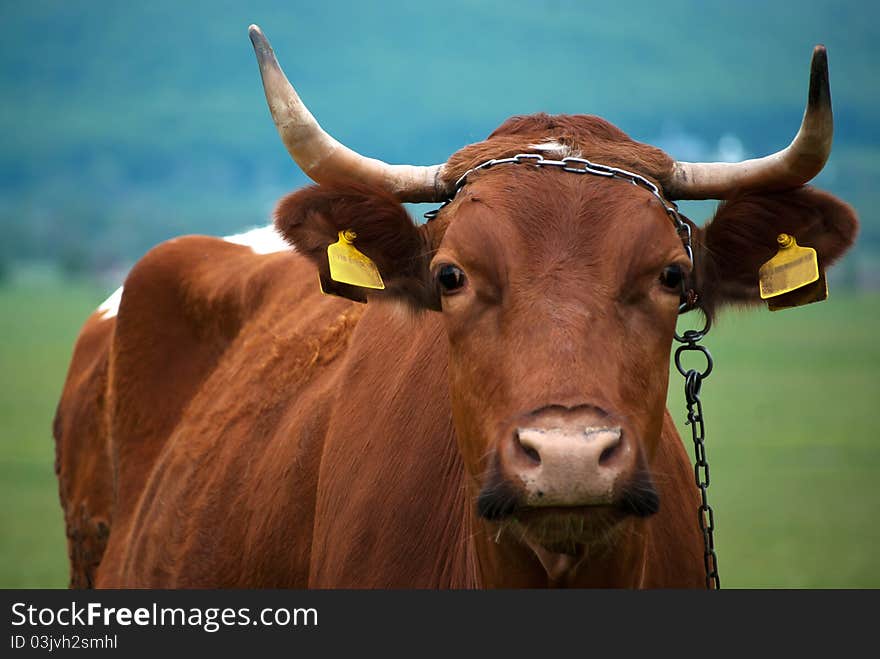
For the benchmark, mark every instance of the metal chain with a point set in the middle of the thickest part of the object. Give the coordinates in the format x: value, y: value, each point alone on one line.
x: 693, y: 379
x: 580, y: 166
x: 693, y: 382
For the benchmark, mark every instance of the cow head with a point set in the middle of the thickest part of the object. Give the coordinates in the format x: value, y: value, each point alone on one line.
x: 559, y: 292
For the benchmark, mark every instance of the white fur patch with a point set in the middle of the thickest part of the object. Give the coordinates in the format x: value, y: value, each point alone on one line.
x: 262, y: 240
x: 110, y: 307
x: 555, y: 150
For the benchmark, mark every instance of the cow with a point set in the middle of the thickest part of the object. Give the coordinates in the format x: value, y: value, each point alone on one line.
x: 494, y: 417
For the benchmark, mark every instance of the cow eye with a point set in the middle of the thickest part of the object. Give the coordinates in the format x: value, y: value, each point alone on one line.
x: 672, y: 277
x: 450, y: 277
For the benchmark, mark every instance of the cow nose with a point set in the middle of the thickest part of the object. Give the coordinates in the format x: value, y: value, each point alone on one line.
x: 568, y: 460
x: 595, y: 445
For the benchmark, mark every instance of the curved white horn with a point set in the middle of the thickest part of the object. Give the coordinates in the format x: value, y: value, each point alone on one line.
x: 796, y: 164
x: 323, y: 158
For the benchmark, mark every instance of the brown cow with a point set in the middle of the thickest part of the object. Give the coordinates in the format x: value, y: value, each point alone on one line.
x: 495, y: 417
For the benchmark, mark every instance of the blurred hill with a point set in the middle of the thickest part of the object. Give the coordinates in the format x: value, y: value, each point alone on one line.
x: 124, y: 124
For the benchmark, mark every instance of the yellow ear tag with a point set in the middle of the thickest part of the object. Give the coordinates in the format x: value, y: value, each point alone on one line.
x: 793, y: 267
x: 349, y: 266
x: 815, y: 292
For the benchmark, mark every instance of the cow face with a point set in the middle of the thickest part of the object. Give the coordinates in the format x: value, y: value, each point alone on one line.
x: 560, y: 294
x: 559, y: 304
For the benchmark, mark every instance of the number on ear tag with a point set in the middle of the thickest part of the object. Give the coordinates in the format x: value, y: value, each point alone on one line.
x: 793, y: 267
x: 349, y: 266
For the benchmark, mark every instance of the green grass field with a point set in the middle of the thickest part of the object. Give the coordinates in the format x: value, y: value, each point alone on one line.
x: 791, y: 439
x: 38, y: 326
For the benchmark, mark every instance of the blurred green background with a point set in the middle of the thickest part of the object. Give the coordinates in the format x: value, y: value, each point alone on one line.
x: 123, y: 125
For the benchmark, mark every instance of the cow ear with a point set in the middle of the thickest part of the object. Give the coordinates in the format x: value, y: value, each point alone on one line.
x: 742, y: 237
x: 311, y: 219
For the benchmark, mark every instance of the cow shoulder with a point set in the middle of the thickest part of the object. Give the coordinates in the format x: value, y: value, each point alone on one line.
x: 182, y: 306
x: 220, y: 368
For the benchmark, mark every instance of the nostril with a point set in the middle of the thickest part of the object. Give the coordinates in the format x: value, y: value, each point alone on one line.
x: 529, y: 450
x: 532, y: 453
x: 609, y: 452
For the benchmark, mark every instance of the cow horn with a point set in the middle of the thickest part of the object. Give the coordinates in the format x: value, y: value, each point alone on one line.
x: 796, y: 164
x: 322, y: 157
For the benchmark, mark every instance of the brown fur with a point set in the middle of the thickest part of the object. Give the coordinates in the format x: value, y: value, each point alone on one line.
x: 260, y: 434
x: 82, y: 457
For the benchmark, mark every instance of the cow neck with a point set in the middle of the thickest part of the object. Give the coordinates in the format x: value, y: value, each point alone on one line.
x: 502, y: 564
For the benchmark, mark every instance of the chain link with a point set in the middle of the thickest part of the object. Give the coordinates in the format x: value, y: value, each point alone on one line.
x: 693, y: 382
x: 693, y: 379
